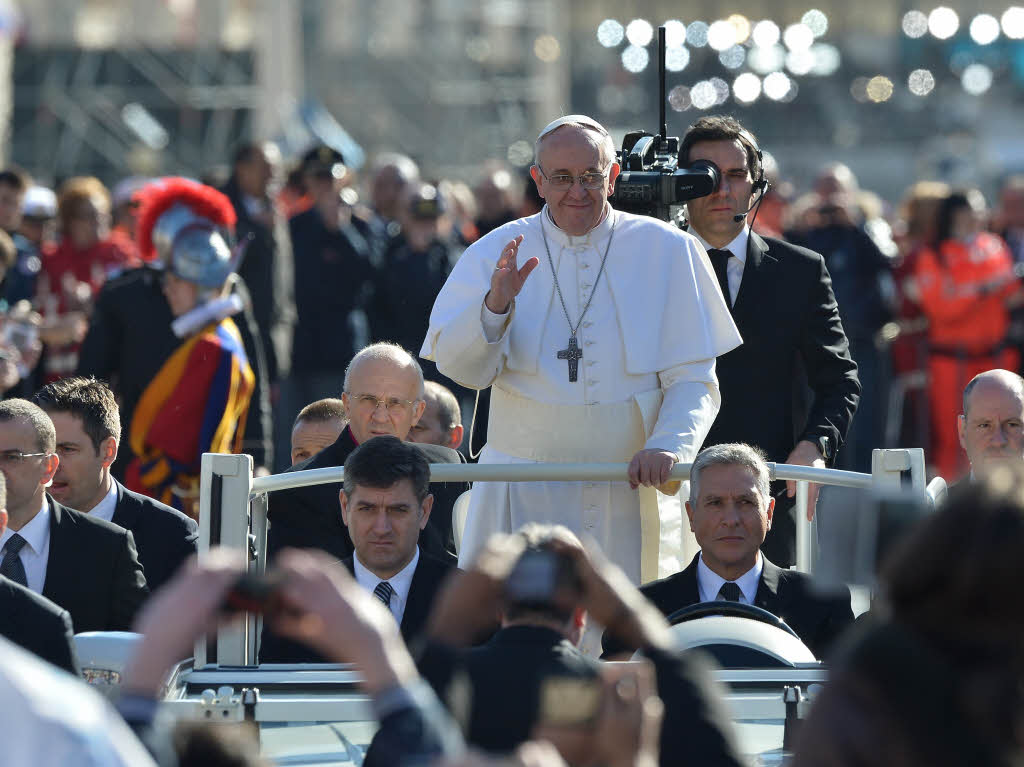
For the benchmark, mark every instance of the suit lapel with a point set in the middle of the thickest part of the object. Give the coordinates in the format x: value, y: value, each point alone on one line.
x: 757, y: 250
x: 126, y: 512
x: 689, y: 589
x: 768, y: 597
x: 417, y: 605
x: 59, y: 568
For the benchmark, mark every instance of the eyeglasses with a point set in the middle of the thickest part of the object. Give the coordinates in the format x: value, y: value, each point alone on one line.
x: 16, y: 456
x: 592, y: 179
x: 392, y: 405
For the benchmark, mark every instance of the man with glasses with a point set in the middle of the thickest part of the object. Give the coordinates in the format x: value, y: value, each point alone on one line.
x: 86, y: 565
x: 598, y: 331
x: 383, y: 396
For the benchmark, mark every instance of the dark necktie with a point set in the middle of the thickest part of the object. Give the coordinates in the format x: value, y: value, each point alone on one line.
x: 730, y: 592
x: 720, y: 260
x: 11, y: 566
x: 383, y: 592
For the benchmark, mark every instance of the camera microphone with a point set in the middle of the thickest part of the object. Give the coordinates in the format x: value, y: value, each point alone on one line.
x: 740, y: 216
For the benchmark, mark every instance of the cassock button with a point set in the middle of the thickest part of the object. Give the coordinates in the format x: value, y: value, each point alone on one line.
x: 587, y: 324
x: 584, y: 265
x: 585, y: 286
x: 588, y: 343
x: 591, y: 381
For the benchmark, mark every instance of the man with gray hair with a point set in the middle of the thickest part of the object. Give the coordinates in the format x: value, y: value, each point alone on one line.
x: 730, y: 511
x: 441, y: 423
x: 383, y: 396
x: 991, y: 427
x: 597, y: 331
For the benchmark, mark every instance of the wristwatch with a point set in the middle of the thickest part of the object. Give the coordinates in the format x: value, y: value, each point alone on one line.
x: 826, y: 447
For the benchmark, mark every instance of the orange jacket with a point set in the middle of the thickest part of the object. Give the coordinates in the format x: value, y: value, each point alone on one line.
x: 963, y: 291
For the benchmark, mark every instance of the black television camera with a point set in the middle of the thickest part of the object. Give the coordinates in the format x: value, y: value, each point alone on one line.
x: 650, y: 181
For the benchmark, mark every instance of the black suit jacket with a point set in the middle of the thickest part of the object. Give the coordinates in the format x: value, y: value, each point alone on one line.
x: 426, y: 582
x: 310, y: 517
x: 816, y: 618
x: 37, y: 624
x: 788, y: 317
x: 164, y: 536
x: 93, y: 571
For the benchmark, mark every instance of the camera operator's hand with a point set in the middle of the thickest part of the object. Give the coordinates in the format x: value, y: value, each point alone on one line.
x: 323, y: 606
x: 508, y: 278
x: 187, y: 607
x: 611, y: 600
x: 468, y: 605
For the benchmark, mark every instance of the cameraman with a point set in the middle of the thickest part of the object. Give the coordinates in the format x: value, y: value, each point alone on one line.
x: 531, y: 675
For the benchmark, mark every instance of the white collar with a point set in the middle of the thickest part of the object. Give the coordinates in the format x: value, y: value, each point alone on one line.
x: 108, y: 504
x: 215, y: 309
x: 738, y: 246
x: 36, y: 533
x: 709, y: 583
x: 595, y: 235
x: 401, y: 581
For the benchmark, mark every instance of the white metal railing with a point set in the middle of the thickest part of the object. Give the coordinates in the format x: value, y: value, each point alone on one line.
x: 233, y: 508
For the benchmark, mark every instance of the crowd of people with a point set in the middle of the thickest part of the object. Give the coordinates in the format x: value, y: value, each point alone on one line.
x: 307, y: 322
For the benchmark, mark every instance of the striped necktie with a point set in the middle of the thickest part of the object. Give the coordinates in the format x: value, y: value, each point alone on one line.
x: 383, y: 592
x: 11, y: 566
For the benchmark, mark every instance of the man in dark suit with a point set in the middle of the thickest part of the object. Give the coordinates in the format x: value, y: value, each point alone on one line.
x: 731, y: 511
x: 85, y: 416
x: 87, y: 566
x: 385, y: 504
x: 32, y: 621
x: 383, y: 396
x: 782, y: 302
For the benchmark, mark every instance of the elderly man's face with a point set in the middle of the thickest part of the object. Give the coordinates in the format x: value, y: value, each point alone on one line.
x: 24, y: 475
x: 992, y: 429
x: 569, y: 151
x: 384, y: 398
x: 429, y: 430
x: 729, y: 518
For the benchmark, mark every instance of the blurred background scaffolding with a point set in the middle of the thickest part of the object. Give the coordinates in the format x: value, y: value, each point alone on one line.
x: 124, y: 87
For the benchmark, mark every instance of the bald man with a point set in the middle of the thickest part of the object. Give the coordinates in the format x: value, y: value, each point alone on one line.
x: 441, y: 423
x: 383, y: 395
x: 991, y: 427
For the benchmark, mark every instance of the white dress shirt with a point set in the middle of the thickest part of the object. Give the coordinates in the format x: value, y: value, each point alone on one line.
x: 36, y: 552
x: 734, y: 266
x: 710, y: 583
x: 107, y: 506
x: 400, y: 582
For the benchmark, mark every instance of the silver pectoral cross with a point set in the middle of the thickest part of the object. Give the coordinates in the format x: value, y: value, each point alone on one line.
x: 573, y: 354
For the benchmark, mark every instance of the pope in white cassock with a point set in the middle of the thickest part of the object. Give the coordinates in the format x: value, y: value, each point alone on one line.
x: 598, y: 331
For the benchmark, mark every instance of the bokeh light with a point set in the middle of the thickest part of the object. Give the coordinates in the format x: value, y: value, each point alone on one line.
x: 721, y: 35
x: 610, y: 33
x: 921, y: 82
x: 722, y: 90
x: 639, y: 32
x: 816, y: 21
x: 827, y: 59
x: 777, y: 86
x: 798, y: 37
x: 764, y: 60
x: 984, y: 29
x: 915, y: 24
x: 675, y: 33
x: 676, y: 59
x: 976, y: 79
x: 547, y: 49
x: 679, y: 98
x: 1013, y: 22
x: 742, y: 26
x: 703, y: 95
x: 733, y: 58
x: 766, y: 34
x: 635, y: 58
x: 799, y: 62
x: 520, y: 153
x: 879, y: 89
x: 943, y: 22
x: 747, y: 88
x: 697, y: 36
